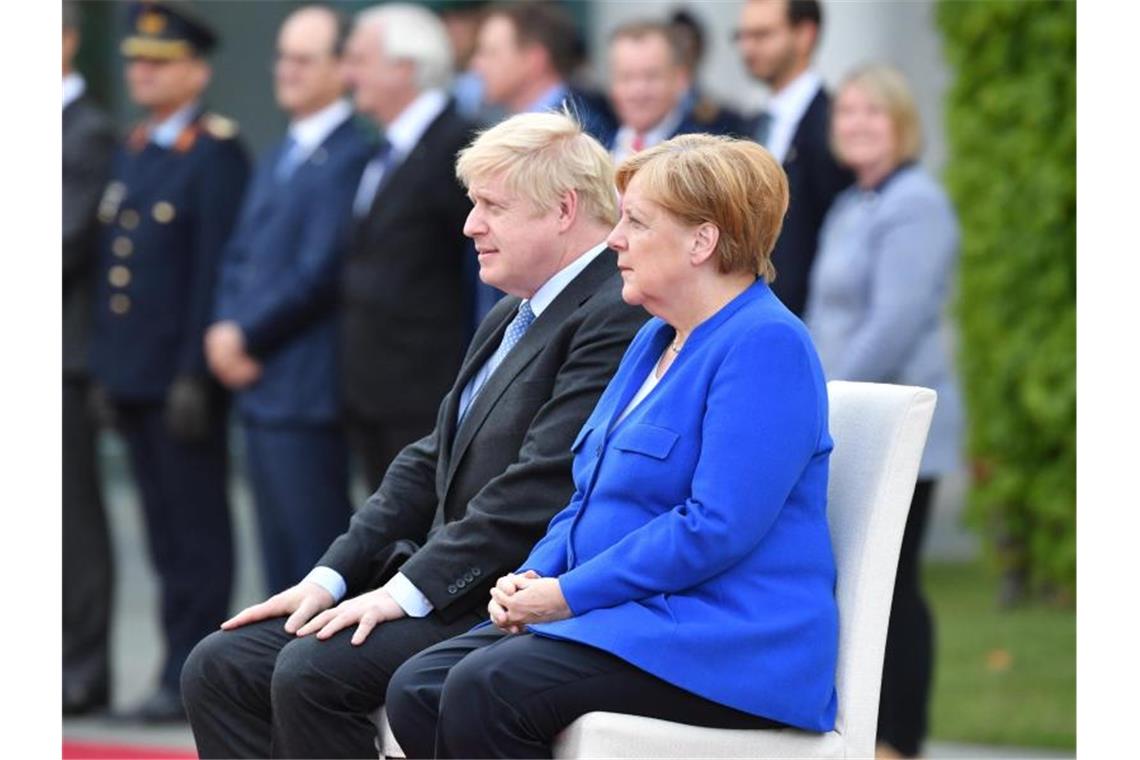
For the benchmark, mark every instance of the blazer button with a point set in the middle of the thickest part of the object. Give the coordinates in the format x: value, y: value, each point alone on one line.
x: 119, y: 276
x: 452, y: 589
x: 460, y: 583
x: 598, y: 451
x: 163, y: 212
x: 120, y: 304
x: 476, y: 572
x: 469, y: 577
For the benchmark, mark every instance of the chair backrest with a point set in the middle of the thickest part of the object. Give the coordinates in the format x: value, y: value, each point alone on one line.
x: 879, y: 433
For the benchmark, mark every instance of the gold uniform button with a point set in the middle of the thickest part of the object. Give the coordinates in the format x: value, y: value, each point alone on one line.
x: 163, y: 212
x: 119, y: 276
x: 129, y: 219
x: 122, y: 247
x: 120, y: 304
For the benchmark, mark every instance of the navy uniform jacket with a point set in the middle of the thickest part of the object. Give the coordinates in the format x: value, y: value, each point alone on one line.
x: 814, y: 179
x: 166, y: 216
x: 281, y: 278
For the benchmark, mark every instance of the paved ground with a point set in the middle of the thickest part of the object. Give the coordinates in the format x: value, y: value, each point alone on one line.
x: 135, y: 646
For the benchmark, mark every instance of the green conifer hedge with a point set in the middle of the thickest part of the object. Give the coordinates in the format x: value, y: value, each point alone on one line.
x: 1011, y: 120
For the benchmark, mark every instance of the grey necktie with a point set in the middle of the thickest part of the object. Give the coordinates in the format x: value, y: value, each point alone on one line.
x: 763, y: 128
x: 372, y: 178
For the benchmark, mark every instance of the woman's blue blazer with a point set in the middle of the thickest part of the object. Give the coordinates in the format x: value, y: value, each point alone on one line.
x: 696, y: 544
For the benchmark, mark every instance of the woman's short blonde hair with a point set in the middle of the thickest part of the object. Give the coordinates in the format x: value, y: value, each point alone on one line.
x: 888, y: 87
x: 541, y: 156
x: 733, y: 184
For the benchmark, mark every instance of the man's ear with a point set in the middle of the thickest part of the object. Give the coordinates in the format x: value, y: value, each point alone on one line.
x: 703, y: 243
x: 567, y: 210
x: 807, y: 35
x: 203, y: 72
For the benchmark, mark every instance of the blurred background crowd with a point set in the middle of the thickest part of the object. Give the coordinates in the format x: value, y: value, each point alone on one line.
x: 267, y: 288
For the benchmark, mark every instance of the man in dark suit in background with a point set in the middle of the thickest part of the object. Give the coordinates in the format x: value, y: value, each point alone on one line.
x: 458, y: 508
x: 777, y: 39
x: 407, y: 299
x: 170, y: 207
x: 276, y: 339
x: 526, y: 54
x: 88, y: 143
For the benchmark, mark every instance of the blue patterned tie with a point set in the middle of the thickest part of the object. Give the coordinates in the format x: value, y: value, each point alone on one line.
x: 515, y: 330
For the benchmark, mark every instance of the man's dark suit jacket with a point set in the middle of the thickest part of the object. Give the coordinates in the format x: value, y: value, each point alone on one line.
x: 406, y: 298
x: 88, y: 146
x: 486, y: 491
x: 814, y: 179
x: 281, y: 277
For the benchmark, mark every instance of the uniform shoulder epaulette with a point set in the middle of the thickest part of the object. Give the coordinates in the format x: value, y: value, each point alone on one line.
x: 219, y: 127
x: 138, y: 136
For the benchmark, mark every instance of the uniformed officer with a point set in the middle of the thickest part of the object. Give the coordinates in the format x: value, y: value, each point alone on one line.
x: 170, y: 206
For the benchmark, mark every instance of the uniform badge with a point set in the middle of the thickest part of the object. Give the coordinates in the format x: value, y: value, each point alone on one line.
x: 163, y: 212
x: 150, y: 23
x: 109, y: 203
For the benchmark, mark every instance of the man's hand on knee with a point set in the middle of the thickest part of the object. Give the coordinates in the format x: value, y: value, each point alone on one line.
x: 300, y: 603
x: 365, y: 611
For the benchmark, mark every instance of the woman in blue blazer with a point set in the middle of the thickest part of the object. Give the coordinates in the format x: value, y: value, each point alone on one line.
x: 691, y: 577
x: 876, y: 310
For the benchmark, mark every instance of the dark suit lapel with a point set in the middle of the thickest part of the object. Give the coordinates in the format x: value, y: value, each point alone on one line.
x: 577, y: 292
x: 817, y: 106
x: 321, y: 153
x: 393, y: 185
x: 479, y: 357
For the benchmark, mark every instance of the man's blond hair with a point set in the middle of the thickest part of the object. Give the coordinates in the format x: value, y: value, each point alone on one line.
x: 540, y: 157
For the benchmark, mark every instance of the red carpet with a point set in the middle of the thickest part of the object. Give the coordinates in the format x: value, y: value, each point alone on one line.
x: 76, y: 750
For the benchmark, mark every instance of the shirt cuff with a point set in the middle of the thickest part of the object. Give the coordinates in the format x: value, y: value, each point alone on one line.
x: 330, y: 580
x: 414, y: 603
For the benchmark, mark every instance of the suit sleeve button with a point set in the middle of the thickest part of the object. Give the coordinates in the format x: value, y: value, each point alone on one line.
x: 460, y: 583
x: 476, y: 572
x: 452, y: 590
x: 468, y: 577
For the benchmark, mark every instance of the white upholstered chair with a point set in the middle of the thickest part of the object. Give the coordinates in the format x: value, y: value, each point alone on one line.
x: 879, y: 433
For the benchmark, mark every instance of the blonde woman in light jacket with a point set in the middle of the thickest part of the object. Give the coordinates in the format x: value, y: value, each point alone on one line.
x: 877, y: 313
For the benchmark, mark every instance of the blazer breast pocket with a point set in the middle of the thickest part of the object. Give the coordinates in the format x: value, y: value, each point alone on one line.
x: 648, y: 440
